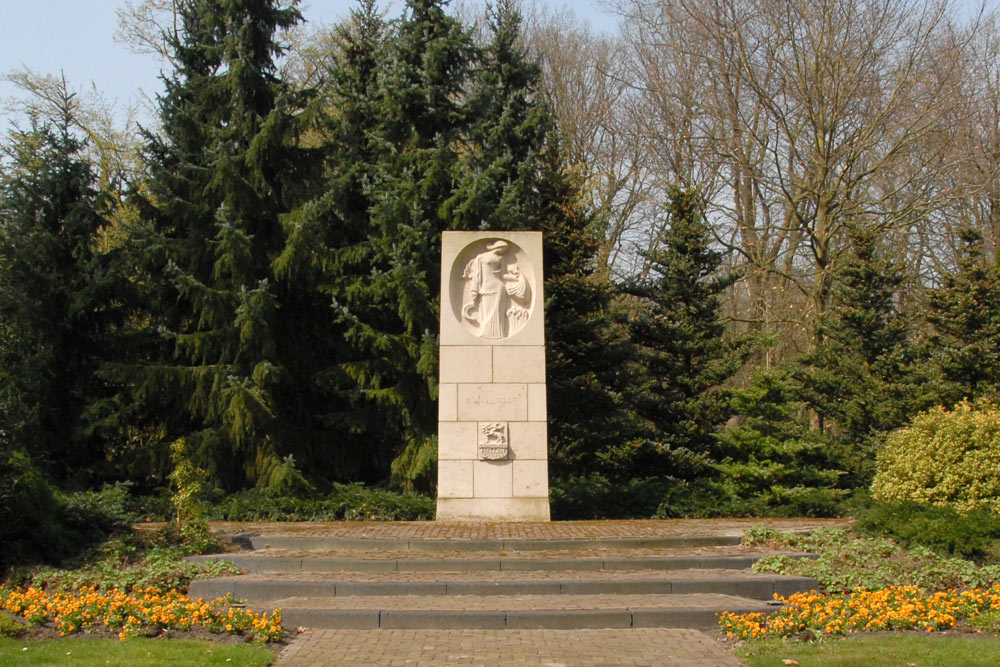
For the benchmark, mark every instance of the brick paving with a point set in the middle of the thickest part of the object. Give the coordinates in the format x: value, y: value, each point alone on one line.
x: 493, y: 576
x: 555, y: 530
x: 668, y: 647
x: 662, y: 647
x: 459, y: 603
x: 596, y: 552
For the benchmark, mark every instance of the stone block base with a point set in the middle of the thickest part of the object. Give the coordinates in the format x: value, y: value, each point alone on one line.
x: 492, y: 509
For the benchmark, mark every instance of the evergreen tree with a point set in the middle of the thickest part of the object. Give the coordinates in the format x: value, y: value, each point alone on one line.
x: 769, y: 459
x: 425, y: 132
x: 965, y: 312
x: 329, y: 255
x: 680, y: 346
x: 221, y: 172
x: 864, y: 378
x: 497, y: 179
x: 59, y: 302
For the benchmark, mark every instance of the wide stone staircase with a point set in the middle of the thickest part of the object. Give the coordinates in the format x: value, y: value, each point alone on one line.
x: 427, y: 580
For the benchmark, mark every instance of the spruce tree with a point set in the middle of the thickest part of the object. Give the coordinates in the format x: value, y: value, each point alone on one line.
x: 769, y: 460
x: 221, y: 172
x: 965, y: 312
x: 330, y: 256
x: 865, y: 377
x: 680, y: 345
x: 60, y: 302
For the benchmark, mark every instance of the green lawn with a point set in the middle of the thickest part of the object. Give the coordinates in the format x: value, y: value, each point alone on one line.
x: 886, y: 650
x: 134, y: 653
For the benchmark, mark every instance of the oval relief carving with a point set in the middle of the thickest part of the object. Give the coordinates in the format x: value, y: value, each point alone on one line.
x: 492, y: 286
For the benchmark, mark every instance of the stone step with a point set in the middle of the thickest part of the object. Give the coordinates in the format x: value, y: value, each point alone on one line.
x: 511, y: 612
x: 260, y: 588
x: 260, y: 563
x: 257, y: 542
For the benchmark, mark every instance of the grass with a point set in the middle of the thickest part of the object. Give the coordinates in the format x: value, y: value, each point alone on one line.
x: 885, y: 650
x: 135, y: 652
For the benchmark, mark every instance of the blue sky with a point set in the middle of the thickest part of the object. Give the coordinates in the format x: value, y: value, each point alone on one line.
x: 76, y: 38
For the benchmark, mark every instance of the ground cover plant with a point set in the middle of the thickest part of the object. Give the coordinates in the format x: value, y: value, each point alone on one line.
x: 847, y: 562
x: 132, y: 585
x: 892, y: 608
x: 871, y: 583
x: 136, y: 653
x: 139, y: 612
x: 887, y: 650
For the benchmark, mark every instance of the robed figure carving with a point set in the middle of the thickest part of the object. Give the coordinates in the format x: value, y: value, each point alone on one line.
x: 498, y: 297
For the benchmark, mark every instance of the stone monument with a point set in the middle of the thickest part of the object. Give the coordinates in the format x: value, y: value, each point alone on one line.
x: 492, y: 428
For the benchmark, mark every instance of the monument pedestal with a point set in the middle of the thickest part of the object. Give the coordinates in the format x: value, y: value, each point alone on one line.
x: 492, y: 415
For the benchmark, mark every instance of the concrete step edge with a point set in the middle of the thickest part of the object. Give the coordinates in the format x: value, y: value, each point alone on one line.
x: 312, y: 543
x: 328, y: 564
x: 701, y: 618
x: 258, y: 590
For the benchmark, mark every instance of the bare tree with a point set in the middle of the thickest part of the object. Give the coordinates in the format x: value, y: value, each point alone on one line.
x: 585, y: 82
x: 809, y: 117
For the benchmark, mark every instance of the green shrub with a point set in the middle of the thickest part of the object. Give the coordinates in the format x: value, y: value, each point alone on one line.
x: 974, y: 535
x: 947, y: 458
x: 31, y: 519
x: 100, y: 513
x: 344, y: 501
x: 596, y: 497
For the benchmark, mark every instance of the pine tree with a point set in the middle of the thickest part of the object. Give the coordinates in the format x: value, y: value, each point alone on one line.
x: 221, y: 172
x: 59, y: 301
x: 680, y: 343
x: 965, y: 312
x: 865, y: 377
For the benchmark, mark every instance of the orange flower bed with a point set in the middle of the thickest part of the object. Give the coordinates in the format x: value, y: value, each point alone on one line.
x: 893, y: 608
x: 132, y: 613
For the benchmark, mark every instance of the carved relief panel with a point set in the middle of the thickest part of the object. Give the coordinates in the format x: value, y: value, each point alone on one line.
x: 493, y: 283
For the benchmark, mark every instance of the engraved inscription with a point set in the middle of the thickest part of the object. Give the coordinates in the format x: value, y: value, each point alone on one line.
x: 494, y: 442
x: 500, y: 402
x: 492, y: 402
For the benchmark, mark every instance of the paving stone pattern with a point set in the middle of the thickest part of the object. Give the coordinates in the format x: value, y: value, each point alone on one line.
x: 527, y: 593
x: 663, y: 647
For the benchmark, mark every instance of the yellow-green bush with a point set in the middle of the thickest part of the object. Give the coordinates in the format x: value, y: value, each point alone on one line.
x: 948, y: 458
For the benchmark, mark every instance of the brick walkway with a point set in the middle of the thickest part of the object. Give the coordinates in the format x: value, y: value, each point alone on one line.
x: 556, y: 530
x: 433, y: 648
x: 668, y: 647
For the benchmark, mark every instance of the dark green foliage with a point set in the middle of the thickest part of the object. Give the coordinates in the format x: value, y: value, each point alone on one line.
x: 39, y: 524
x: 221, y: 352
x: 346, y: 501
x: 974, y: 535
x: 865, y: 377
x: 677, y: 331
x: 965, y: 312
x: 594, y: 496
x: 59, y: 301
x: 770, y: 460
x: 422, y: 132
x: 31, y: 525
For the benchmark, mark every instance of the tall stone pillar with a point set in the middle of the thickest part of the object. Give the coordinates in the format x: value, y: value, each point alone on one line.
x: 492, y: 422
